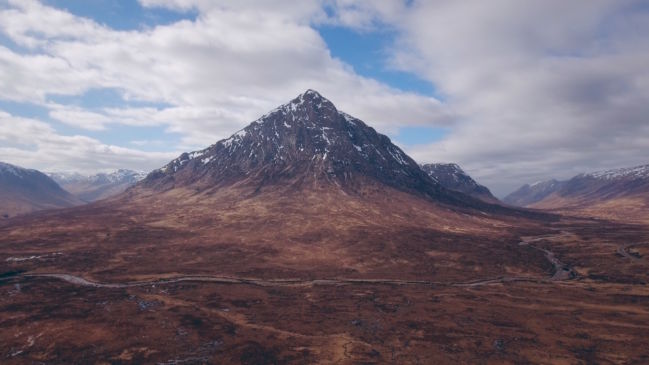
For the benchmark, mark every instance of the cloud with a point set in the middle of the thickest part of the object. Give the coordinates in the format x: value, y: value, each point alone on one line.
x: 543, y: 88
x: 214, y: 75
x: 32, y: 143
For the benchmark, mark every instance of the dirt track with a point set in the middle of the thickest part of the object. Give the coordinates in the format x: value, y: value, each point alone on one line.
x: 77, y: 280
x: 561, y: 272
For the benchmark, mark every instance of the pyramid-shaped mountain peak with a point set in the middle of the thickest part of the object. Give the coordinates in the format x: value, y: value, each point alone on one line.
x: 312, y: 94
x: 303, y: 141
x: 312, y: 98
x: 310, y: 107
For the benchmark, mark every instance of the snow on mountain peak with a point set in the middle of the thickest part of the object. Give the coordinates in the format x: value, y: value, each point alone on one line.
x: 117, y: 176
x: 637, y: 172
x: 12, y: 169
x: 307, y: 132
x: 285, y: 124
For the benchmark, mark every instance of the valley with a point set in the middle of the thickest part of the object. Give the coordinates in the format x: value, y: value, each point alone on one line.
x: 210, y: 319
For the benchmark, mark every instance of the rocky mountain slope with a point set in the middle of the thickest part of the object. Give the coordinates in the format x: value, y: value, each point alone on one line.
x: 452, y: 177
x: 300, y: 145
x: 303, y: 142
x: 96, y: 187
x: 25, y: 190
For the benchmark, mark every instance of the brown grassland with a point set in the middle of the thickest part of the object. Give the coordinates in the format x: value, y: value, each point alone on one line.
x: 318, y: 276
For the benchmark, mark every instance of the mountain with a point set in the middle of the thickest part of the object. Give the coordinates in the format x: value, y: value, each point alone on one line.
x: 96, y: 187
x: 614, y: 194
x: 24, y: 191
x: 305, y: 188
x: 452, y: 177
x: 303, y: 144
x: 531, y: 193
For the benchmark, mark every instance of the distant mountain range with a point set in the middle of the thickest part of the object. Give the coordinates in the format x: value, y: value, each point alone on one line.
x: 90, y: 188
x: 25, y: 190
x: 531, y: 193
x: 607, y: 193
x: 452, y: 177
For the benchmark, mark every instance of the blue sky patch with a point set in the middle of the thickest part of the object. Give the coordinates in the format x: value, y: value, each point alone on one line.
x: 122, y: 14
x: 102, y: 98
x: 417, y: 135
x: 367, y: 53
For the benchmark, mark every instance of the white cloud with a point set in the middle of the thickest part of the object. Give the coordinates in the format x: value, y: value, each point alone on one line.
x: 544, y: 88
x: 35, y: 144
x: 235, y: 62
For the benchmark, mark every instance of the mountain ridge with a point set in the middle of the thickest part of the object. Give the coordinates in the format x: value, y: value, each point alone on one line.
x: 27, y: 190
x: 621, y: 193
x: 451, y: 176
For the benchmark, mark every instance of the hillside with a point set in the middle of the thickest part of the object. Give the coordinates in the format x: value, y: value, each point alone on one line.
x: 24, y: 191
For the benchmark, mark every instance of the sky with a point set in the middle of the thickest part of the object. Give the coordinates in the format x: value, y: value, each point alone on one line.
x: 513, y: 91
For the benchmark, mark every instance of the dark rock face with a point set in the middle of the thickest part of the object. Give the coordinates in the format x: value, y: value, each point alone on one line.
x: 24, y: 190
x: 530, y: 194
x: 452, y: 177
x: 303, y: 140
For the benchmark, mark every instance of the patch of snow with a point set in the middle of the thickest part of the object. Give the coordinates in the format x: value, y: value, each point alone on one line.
x: 397, y: 155
x: 348, y: 118
x: 227, y: 143
x: 638, y: 172
x: 379, y: 152
x: 14, y: 170
x: 324, y: 135
x: 196, y: 154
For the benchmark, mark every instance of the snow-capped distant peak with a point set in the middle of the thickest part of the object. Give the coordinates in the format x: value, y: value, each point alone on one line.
x: 117, y: 176
x: 638, y: 172
x: 544, y: 183
x: 11, y: 169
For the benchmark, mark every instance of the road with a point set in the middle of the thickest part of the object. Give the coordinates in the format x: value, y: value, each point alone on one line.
x: 561, y: 272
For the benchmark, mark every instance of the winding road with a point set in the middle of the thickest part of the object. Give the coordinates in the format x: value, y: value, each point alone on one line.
x: 78, y: 280
x: 561, y: 272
